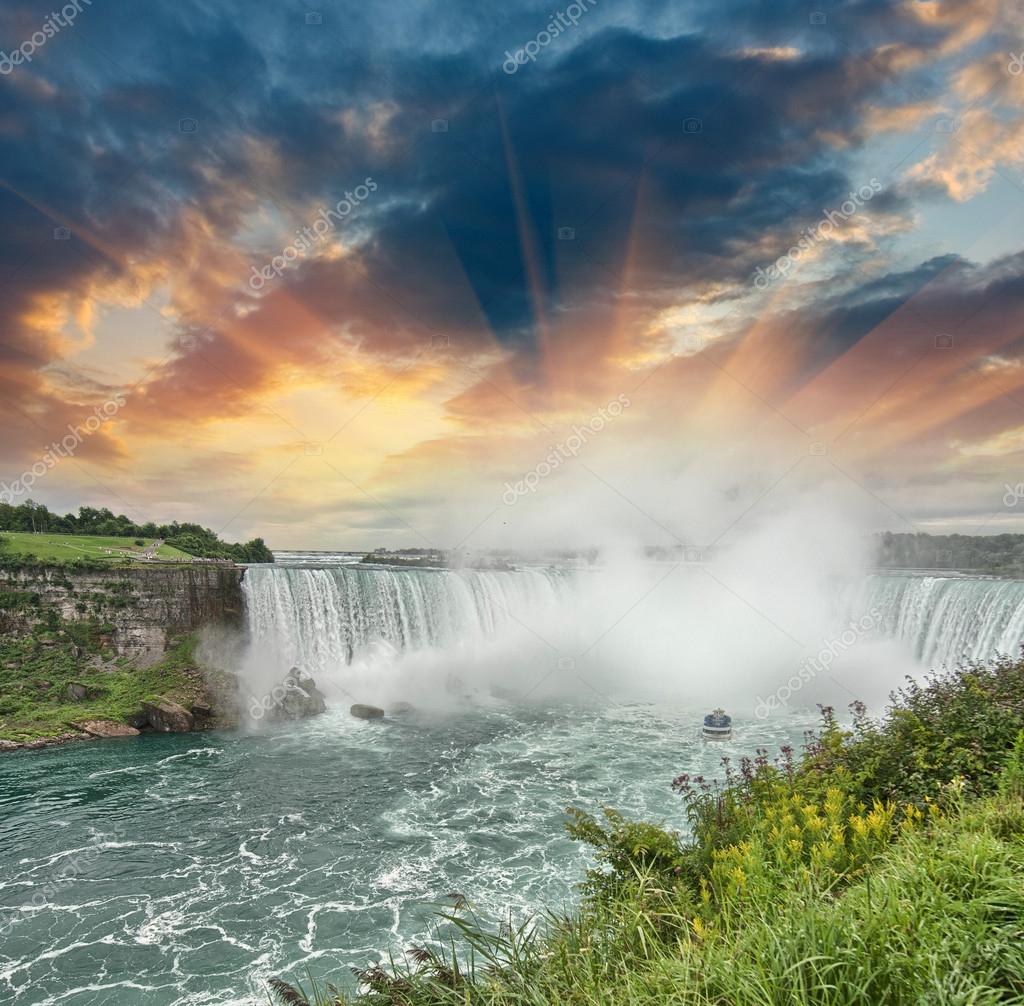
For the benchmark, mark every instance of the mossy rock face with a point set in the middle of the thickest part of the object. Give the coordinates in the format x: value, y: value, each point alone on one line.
x: 41, y: 689
x: 134, y: 642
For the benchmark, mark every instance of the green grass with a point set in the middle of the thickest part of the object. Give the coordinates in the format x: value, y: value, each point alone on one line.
x: 883, y: 865
x: 35, y: 672
x: 69, y: 547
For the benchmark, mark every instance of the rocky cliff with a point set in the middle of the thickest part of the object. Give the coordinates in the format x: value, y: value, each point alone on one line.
x: 141, y: 608
x: 101, y: 653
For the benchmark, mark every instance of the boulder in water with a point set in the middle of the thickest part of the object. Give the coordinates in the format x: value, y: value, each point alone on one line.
x: 168, y: 717
x: 296, y: 698
x: 365, y: 712
x: 508, y: 694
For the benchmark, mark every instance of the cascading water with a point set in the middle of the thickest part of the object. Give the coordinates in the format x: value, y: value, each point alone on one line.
x: 322, y: 619
x: 946, y: 619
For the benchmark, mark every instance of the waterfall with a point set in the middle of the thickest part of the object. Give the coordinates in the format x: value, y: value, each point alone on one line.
x: 324, y: 618
x: 946, y: 619
x: 320, y: 619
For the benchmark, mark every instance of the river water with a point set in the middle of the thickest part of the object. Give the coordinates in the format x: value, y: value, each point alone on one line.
x: 188, y: 869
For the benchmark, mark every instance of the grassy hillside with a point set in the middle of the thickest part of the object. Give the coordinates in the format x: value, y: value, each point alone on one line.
x: 189, y: 538
x: 884, y: 864
x: 36, y: 673
x: 69, y: 547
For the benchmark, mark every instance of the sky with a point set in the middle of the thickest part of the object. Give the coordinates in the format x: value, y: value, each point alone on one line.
x: 471, y: 275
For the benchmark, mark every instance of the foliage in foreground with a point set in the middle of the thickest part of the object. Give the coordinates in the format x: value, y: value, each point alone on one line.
x: 882, y: 865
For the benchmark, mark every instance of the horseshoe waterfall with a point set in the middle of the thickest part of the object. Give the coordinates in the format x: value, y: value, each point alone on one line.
x: 321, y: 618
x: 946, y: 619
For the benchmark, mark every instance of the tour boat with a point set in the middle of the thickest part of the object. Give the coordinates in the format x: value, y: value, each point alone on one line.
x: 718, y: 725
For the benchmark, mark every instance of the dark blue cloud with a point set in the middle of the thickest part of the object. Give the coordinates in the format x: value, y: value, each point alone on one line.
x: 636, y: 124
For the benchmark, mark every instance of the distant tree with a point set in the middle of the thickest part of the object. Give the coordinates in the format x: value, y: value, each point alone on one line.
x: 1002, y: 553
x: 189, y: 537
x: 252, y: 551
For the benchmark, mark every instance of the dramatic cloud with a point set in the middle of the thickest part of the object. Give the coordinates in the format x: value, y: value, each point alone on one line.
x: 348, y: 249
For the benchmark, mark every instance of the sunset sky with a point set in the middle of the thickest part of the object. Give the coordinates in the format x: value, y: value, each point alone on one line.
x: 357, y: 269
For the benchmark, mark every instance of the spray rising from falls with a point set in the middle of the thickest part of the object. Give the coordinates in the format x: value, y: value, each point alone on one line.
x: 321, y: 619
x: 652, y: 630
x: 946, y: 619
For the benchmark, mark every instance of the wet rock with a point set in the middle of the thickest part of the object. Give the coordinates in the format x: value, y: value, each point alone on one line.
x: 9, y: 746
x: 296, y: 698
x: 168, y: 717
x: 365, y: 712
x: 508, y: 694
x: 204, y: 717
x: 105, y: 728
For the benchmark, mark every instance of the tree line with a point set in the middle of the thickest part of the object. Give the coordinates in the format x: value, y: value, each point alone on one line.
x: 191, y: 538
x: 997, y: 553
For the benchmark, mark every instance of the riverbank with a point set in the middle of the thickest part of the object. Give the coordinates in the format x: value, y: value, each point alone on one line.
x: 63, y: 689
x: 883, y: 864
x: 83, y: 650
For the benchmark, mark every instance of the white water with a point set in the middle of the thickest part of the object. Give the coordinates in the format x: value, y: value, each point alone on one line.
x: 943, y: 620
x: 322, y: 619
x: 326, y: 619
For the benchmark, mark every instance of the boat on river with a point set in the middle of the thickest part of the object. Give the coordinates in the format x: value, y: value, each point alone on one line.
x: 718, y: 725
